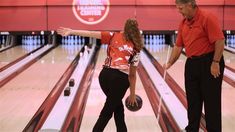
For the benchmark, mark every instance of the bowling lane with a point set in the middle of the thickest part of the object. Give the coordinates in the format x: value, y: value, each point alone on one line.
x: 177, y: 73
x: 24, y: 94
x: 143, y: 120
x: 229, y: 59
x: 160, y: 54
x: 14, y: 53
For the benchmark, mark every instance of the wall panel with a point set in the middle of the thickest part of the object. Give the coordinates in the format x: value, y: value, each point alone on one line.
x: 63, y: 16
x: 158, y: 17
x: 229, y: 2
x: 23, y: 18
x: 172, y: 2
x: 167, y: 17
x: 22, y: 2
x: 210, y: 2
x: 229, y: 18
x: 155, y: 2
x: 111, y: 2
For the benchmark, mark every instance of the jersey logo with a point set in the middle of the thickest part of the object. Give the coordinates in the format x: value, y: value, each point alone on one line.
x: 126, y: 48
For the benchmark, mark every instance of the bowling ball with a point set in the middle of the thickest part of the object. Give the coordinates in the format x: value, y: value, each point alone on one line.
x: 134, y: 107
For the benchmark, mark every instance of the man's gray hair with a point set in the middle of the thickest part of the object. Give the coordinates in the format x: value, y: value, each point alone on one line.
x: 193, y: 2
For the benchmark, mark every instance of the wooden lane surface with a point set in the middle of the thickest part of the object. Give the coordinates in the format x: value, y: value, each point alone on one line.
x: 23, y: 95
x: 229, y: 59
x: 11, y: 54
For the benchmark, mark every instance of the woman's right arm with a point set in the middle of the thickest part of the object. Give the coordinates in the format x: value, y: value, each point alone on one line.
x: 85, y: 33
x: 132, y: 80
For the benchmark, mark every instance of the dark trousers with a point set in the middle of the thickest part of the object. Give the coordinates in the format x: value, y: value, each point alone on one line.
x: 202, y: 87
x: 114, y: 84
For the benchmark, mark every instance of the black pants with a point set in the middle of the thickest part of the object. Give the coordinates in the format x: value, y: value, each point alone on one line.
x: 202, y: 87
x: 114, y: 84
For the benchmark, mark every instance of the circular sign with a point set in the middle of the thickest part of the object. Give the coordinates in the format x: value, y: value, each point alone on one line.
x: 90, y: 11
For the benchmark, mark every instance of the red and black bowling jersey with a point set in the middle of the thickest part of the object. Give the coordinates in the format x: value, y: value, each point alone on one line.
x: 120, y: 53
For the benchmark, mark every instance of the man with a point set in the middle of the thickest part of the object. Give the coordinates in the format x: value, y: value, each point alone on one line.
x: 201, y: 36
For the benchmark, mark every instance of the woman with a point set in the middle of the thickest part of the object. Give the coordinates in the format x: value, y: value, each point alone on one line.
x: 119, y: 70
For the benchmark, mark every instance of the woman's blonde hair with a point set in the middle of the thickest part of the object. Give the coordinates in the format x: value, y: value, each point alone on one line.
x: 132, y: 33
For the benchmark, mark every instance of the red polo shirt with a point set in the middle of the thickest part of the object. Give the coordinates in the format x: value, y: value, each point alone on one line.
x: 198, y: 35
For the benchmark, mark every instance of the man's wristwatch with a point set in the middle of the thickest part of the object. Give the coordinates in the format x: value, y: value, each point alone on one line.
x: 215, y: 61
